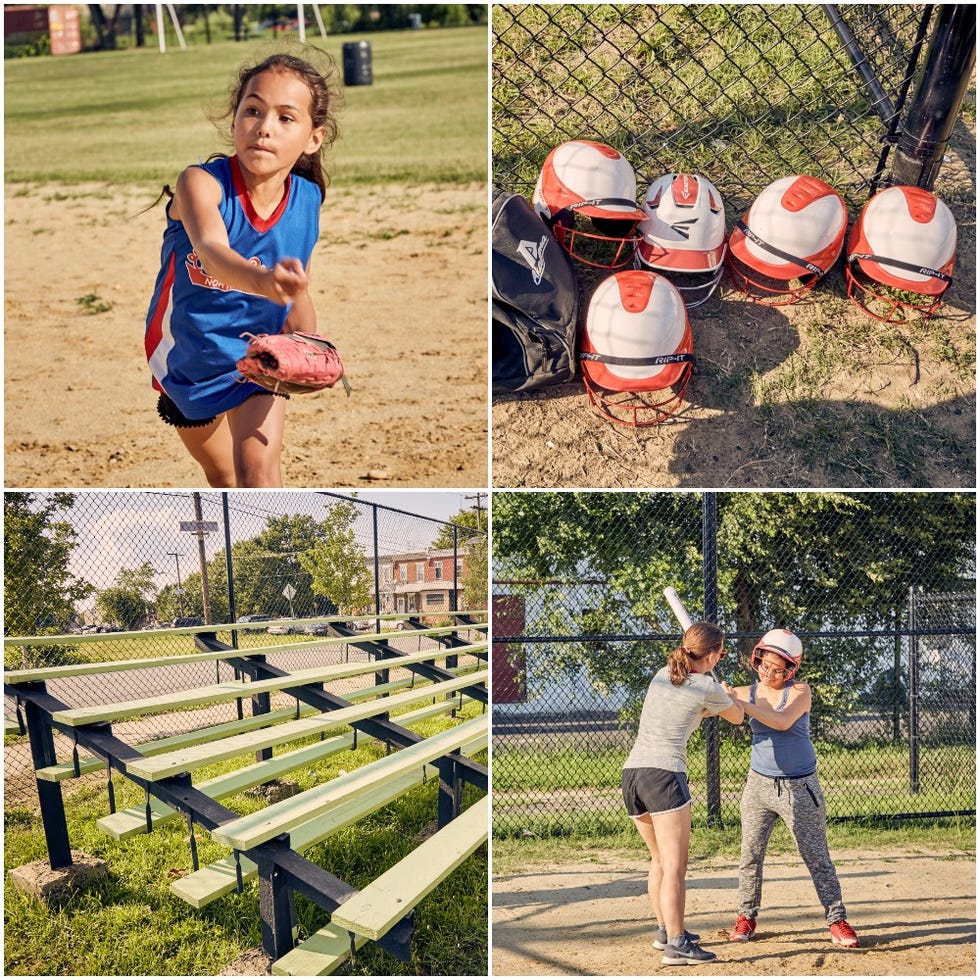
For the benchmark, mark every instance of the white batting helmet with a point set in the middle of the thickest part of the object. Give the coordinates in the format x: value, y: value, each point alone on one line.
x: 586, y: 193
x: 786, y: 644
x: 904, y: 239
x: 793, y: 232
x: 637, y: 341
x: 684, y: 234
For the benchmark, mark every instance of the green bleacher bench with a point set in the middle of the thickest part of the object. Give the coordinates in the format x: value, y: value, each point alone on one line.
x: 131, y: 821
x: 232, y: 690
x: 391, y: 896
x: 201, y: 887
x: 197, y: 756
x: 280, y: 818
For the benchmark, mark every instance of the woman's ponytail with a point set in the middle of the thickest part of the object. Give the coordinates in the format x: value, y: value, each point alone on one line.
x: 699, y: 641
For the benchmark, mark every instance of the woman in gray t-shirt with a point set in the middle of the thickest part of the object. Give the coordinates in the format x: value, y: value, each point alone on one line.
x: 655, y: 786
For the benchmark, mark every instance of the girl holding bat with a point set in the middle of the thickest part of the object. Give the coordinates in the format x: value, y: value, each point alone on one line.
x: 654, y: 779
x: 782, y: 783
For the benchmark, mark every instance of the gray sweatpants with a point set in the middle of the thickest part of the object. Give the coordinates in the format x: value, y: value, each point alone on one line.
x: 800, y: 803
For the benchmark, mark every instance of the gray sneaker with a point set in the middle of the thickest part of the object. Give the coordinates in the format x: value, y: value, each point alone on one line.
x: 660, y: 939
x: 686, y: 955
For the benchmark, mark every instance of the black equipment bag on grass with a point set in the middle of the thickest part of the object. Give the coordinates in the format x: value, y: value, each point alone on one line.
x: 535, y: 299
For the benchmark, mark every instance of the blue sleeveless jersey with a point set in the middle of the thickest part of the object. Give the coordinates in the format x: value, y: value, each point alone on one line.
x: 775, y: 753
x: 194, y: 322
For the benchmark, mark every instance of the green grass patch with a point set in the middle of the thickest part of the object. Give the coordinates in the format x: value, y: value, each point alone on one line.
x: 138, y: 116
x: 574, y: 792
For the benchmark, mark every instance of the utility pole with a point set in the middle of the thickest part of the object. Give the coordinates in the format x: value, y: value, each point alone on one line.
x: 478, y: 507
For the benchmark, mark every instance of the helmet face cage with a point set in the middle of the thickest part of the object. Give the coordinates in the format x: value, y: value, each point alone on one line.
x: 638, y: 409
x: 765, y: 290
x: 602, y: 244
x: 886, y: 303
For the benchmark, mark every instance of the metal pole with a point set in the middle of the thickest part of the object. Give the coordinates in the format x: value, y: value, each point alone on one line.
x: 202, y: 558
x: 935, y: 107
x: 913, y: 695
x: 709, y: 571
x: 229, y: 568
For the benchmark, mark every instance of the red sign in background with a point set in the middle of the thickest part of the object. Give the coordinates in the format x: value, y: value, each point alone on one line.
x: 508, y: 671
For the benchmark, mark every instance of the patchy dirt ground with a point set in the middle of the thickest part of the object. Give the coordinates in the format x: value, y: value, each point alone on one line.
x: 915, y: 914
x: 400, y: 285
x: 816, y: 394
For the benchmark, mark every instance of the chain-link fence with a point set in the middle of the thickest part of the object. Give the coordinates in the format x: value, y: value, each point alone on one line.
x: 879, y: 586
x: 743, y: 93
x: 107, y: 570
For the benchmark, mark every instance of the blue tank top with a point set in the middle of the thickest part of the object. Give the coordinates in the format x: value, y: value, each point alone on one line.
x: 194, y: 323
x: 788, y: 753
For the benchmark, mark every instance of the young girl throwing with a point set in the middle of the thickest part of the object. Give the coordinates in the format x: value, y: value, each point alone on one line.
x: 655, y: 786
x: 236, y: 259
x: 782, y: 783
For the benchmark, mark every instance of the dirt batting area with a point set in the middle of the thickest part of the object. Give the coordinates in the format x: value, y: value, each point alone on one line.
x: 914, y: 912
x: 400, y: 285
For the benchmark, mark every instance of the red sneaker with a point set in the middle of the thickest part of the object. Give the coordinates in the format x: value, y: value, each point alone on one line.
x: 744, y: 929
x: 843, y: 935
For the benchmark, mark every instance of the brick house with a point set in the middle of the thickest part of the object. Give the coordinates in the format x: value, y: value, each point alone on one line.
x: 423, y: 581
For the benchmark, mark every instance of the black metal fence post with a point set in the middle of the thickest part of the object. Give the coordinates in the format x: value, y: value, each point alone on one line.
x: 913, y: 694
x: 709, y: 571
x: 944, y: 80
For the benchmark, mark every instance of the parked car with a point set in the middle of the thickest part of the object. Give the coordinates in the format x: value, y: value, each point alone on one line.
x: 319, y: 629
x: 254, y: 618
x: 188, y: 621
x: 283, y: 630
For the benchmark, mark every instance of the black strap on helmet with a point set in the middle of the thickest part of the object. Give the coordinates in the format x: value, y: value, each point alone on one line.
x: 899, y: 264
x: 659, y: 360
x: 601, y: 202
x: 762, y: 243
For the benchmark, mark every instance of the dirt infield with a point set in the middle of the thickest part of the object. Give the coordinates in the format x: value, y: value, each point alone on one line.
x: 915, y: 914
x: 399, y: 282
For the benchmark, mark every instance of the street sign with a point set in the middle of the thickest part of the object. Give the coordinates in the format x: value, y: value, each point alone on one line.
x: 289, y: 592
x: 199, y: 527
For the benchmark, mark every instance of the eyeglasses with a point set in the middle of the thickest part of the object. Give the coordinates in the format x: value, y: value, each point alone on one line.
x: 767, y: 668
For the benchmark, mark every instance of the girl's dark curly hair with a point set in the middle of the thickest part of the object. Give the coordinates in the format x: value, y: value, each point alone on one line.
x: 318, y: 71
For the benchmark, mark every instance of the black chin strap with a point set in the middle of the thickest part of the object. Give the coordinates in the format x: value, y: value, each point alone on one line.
x: 899, y: 264
x: 762, y: 243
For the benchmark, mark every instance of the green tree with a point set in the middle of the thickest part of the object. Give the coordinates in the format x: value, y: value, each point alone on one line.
x: 336, y: 563
x: 813, y: 562
x: 40, y: 593
x: 129, y: 601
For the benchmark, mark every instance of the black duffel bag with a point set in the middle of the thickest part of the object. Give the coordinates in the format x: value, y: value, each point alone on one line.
x: 535, y: 299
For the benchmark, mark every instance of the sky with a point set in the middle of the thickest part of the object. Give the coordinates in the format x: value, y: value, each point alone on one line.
x: 124, y: 529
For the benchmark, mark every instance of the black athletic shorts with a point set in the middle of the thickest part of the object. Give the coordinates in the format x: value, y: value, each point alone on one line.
x: 168, y: 411
x: 654, y: 791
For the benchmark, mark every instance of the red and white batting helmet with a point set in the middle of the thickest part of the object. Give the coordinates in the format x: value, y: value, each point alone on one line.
x: 792, y: 233
x: 586, y: 193
x: 904, y: 239
x: 637, y: 343
x: 786, y: 644
x: 684, y: 234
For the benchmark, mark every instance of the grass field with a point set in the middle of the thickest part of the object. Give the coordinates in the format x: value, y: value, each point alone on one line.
x: 140, y: 116
x: 131, y: 925
x: 576, y: 792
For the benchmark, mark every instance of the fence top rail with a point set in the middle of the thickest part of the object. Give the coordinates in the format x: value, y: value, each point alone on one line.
x: 28, y: 674
x: 232, y: 690
x: 61, y: 639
